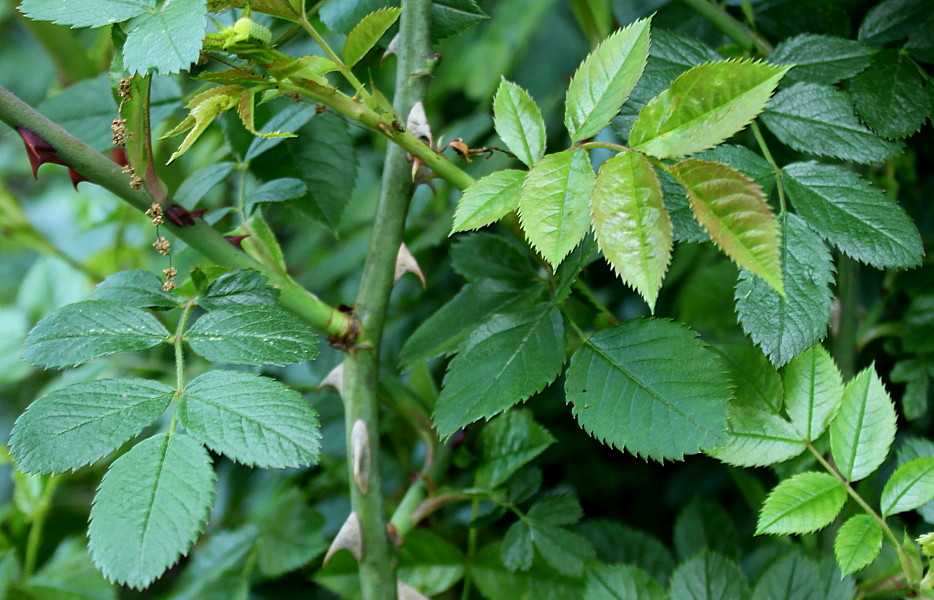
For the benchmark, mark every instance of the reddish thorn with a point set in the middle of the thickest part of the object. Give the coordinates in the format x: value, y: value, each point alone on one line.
x: 458, y: 438
x: 118, y: 154
x: 38, y: 150
x: 182, y: 217
x: 76, y: 177
x: 236, y: 240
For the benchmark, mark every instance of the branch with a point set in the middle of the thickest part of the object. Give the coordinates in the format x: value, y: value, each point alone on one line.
x: 733, y: 29
x: 99, y: 169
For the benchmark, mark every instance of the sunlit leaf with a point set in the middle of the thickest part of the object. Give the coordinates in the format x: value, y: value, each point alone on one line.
x: 864, y: 429
x: 813, y: 392
x: 367, y: 32
x: 519, y: 123
x: 803, y: 503
x: 857, y: 544
x: 488, y: 200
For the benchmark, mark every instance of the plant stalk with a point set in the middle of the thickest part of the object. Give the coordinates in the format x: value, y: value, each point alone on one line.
x: 361, y: 366
x: 38, y: 524
x: 733, y: 29
x: 844, y: 343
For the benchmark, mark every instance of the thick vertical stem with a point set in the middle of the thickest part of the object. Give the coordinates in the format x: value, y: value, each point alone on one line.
x: 361, y: 367
x: 844, y: 344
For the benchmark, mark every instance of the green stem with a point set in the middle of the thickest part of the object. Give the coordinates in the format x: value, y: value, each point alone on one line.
x: 179, y: 341
x: 361, y: 366
x: 471, y: 550
x: 844, y: 343
x: 733, y: 29
x: 344, y: 69
x: 200, y: 236
x: 38, y: 524
x: 603, y: 145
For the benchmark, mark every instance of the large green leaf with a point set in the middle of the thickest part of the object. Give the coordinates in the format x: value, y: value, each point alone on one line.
x: 278, y: 190
x: 485, y: 255
x: 708, y: 576
x: 85, y: 13
x: 803, y: 503
x: 821, y: 58
x: 893, y: 19
x: 517, y: 550
x: 617, y: 543
x: 756, y: 382
x: 81, y: 423
x: 819, y: 119
x: 496, y: 582
x: 854, y: 215
x: 367, y: 32
x: 621, y: 582
x: 509, y: 442
x: 757, y: 438
x: 704, y: 524
x: 630, y: 222
x: 554, y: 203
x: 252, y: 335
x: 238, y: 288
x: 785, y: 326
x: 149, y: 508
x: 857, y: 544
x: 217, y: 569
x: 291, y: 534
x: 910, y: 486
x: 504, y: 361
x: 79, y: 332
x: 430, y: 563
x: 138, y: 288
x: 730, y: 207
x: 649, y: 386
x: 168, y: 40
x: 813, y: 392
x: 564, y: 550
x: 67, y: 575
x: 890, y: 95
x: 703, y: 107
x: 488, y: 200
x: 864, y: 429
x: 251, y: 419
x: 605, y: 79
x: 519, y: 123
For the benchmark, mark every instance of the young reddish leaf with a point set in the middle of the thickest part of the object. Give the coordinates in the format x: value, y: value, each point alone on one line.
x: 631, y: 224
x: 730, y: 207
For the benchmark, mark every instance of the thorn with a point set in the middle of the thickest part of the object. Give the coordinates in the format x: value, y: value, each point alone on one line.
x: 76, y: 177
x: 360, y: 452
x: 38, y: 150
x: 236, y: 240
x: 182, y: 217
x: 406, y: 263
x: 335, y: 379
x: 406, y: 592
x: 348, y: 538
x: 391, y: 49
x: 417, y: 123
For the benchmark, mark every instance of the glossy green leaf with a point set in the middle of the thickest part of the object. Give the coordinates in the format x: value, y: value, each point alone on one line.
x: 290, y: 536
x: 79, y: 332
x: 167, y: 40
x: 429, y: 563
x: 745, y: 161
x: 496, y: 582
x: 909, y: 487
x: 730, y: 207
x: 757, y: 438
x: 239, y: 288
x: 81, y: 423
x: 509, y: 442
x: 708, y: 576
x: 202, y: 181
x: 279, y: 190
x: 893, y: 19
x: 621, y: 582
x: 151, y: 505
x: 800, y: 504
x: 564, y: 550
x: 252, y: 335
x: 519, y: 123
x: 138, y: 288
x: 85, y: 13
x: 485, y: 255
x: 703, y: 107
x: 890, y: 96
x: 755, y: 381
x: 819, y: 119
x: 367, y: 32
x: 254, y: 420
x: 605, y: 79
x: 488, y: 200
x: 516, y: 550
x: 854, y: 215
x: 785, y: 326
x: 857, y: 544
x: 864, y: 429
x: 631, y: 224
x: 554, y: 203
x: 67, y: 575
x: 820, y: 58
x: 651, y: 387
x: 504, y: 361
x: 685, y: 227
x: 792, y: 577
x: 813, y: 392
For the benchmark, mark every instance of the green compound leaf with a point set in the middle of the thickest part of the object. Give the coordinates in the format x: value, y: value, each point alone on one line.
x: 509, y: 442
x: 488, y: 200
x: 730, y: 207
x: 757, y: 438
x: 497, y: 582
x: 554, y: 203
x: 138, y: 288
x: 605, y: 79
x: 239, y: 288
x: 854, y: 215
x: 290, y: 534
x: 857, y: 544
x: 519, y: 123
x: 621, y: 582
x: 796, y: 577
x: 785, y: 326
x: 864, y: 429
x: 517, y: 551
x: 819, y: 119
x: 253, y: 420
x: 252, y: 335
x: 484, y: 255
x: 802, y: 504
x: 430, y: 563
x: 821, y: 58
x: 279, y: 190
x: 85, y: 13
x: 703, y: 107
x: 449, y: 17
x: 564, y: 550
x: 168, y: 40
x: 893, y: 19
x: 813, y: 392
x: 755, y: 381
x: 708, y: 576
x: 205, y: 107
x: 151, y: 505
x: 890, y: 96
x: 79, y: 332
x: 367, y: 32
x: 79, y: 424
x: 504, y: 361
x: 631, y: 224
x: 909, y: 487
x: 651, y: 387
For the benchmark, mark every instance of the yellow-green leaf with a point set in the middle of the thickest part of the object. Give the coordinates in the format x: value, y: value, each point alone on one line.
x: 205, y: 107
x: 730, y: 207
x: 703, y: 107
x: 519, y: 123
x: 367, y: 32
x: 245, y: 110
x: 631, y: 224
x: 488, y: 200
